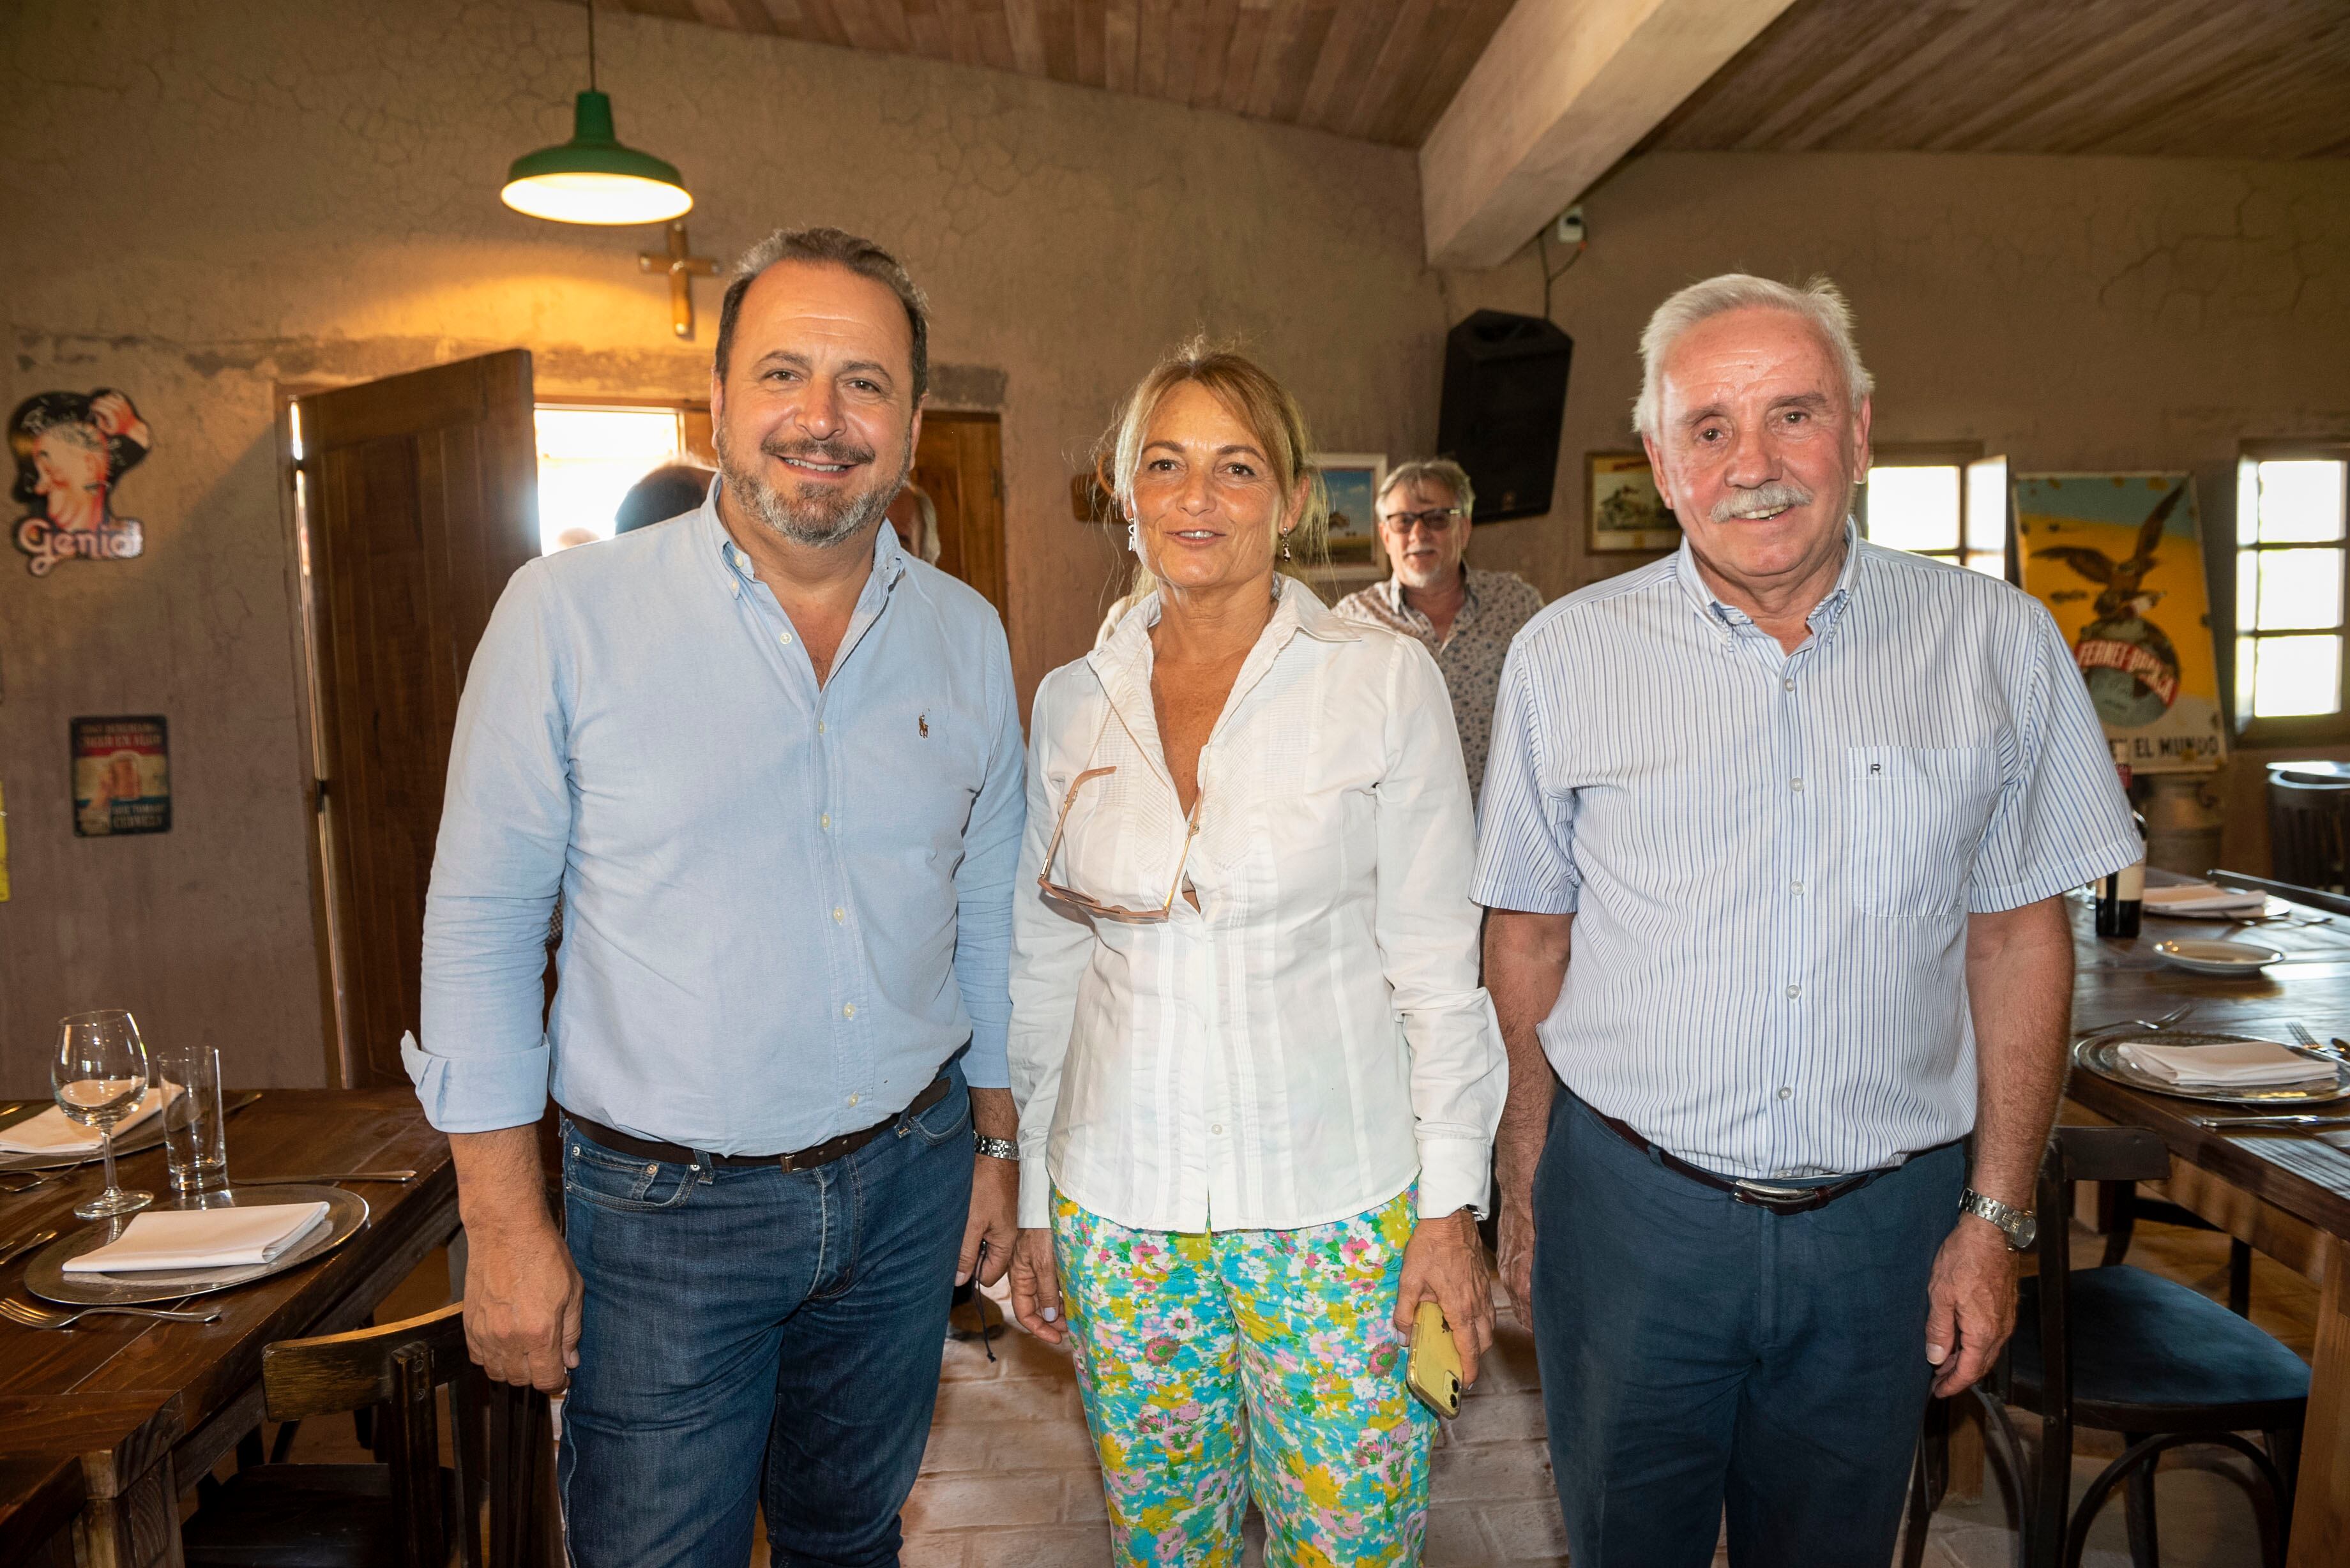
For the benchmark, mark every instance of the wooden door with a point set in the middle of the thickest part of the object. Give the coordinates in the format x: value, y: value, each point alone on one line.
x: 959, y: 464
x: 420, y: 501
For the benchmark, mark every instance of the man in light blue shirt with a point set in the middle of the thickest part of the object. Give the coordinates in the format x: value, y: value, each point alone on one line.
x: 1805, y: 809
x: 773, y: 768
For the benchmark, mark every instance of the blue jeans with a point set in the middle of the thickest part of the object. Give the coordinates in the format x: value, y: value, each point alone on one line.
x: 754, y: 1335
x: 1698, y: 1353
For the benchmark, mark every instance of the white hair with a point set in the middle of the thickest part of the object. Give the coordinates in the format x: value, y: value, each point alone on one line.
x: 1819, y: 303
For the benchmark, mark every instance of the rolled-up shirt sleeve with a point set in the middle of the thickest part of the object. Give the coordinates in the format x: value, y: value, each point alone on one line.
x: 2061, y: 818
x: 1526, y: 833
x: 506, y: 822
x: 983, y: 883
x: 1428, y: 928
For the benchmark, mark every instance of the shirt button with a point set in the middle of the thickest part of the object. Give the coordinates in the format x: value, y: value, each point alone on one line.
x: 849, y: 1010
x: 1788, y: 684
x: 1795, y: 784
x: 1799, y: 889
x: 1217, y: 1128
x: 825, y: 822
x: 819, y: 726
x: 784, y: 636
x: 838, y: 914
x: 854, y: 1099
x: 1793, y: 992
x: 1784, y: 1094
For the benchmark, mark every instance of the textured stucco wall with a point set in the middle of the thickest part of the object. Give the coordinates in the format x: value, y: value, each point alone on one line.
x: 211, y: 202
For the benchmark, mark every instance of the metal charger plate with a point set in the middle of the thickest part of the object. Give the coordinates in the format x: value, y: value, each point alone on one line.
x: 2329, y: 1080
x: 46, y: 1277
x: 148, y: 1134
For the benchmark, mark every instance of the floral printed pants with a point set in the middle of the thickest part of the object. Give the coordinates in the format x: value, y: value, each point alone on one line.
x: 1177, y: 1333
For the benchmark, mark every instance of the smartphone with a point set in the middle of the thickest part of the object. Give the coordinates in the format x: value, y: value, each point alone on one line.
x: 1434, y: 1371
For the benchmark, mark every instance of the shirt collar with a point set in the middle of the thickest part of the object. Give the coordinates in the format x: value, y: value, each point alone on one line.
x: 1390, y: 587
x: 1295, y: 610
x: 888, y: 555
x: 1823, y: 614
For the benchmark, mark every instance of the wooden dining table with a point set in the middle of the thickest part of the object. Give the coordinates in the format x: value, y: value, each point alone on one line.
x: 102, y: 1426
x: 2288, y: 1196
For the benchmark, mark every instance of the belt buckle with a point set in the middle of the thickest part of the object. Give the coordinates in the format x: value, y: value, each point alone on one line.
x: 1763, y: 1195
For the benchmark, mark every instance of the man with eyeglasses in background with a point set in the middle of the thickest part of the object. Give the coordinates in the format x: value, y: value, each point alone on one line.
x: 1466, y: 617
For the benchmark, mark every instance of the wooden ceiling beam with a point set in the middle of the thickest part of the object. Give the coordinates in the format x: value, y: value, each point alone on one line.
x: 1565, y: 89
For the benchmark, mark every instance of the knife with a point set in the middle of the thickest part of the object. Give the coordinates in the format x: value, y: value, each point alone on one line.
x: 2269, y: 1124
x: 326, y: 1179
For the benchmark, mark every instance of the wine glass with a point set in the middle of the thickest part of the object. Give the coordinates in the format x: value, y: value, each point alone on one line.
x: 100, y: 1075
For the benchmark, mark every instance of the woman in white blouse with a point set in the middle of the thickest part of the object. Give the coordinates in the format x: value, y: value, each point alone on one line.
x: 1258, y: 1078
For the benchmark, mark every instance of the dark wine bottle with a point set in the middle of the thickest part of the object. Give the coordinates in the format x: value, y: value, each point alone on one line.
x: 2121, y: 897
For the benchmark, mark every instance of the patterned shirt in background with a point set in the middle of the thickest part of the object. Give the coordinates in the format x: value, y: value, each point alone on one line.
x: 1498, y: 603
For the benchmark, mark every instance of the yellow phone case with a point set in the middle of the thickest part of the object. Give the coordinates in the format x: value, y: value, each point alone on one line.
x: 1434, y: 1371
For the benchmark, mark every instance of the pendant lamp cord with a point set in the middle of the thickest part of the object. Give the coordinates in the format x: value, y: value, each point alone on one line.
x: 591, y: 45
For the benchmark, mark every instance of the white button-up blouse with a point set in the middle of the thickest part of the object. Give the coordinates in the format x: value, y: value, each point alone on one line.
x: 1312, y: 1039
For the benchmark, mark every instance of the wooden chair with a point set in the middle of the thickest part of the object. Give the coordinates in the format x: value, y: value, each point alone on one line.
x: 2118, y: 1349
x: 409, y: 1511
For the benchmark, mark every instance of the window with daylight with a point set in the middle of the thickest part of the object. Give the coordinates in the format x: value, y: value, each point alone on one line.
x: 589, y: 456
x: 2290, y: 570
x: 1947, y: 502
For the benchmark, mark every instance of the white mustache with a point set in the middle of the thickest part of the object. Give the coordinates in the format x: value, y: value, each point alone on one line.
x: 1775, y: 496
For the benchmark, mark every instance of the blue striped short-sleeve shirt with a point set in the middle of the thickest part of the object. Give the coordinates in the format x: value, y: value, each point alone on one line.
x: 1772, y: 856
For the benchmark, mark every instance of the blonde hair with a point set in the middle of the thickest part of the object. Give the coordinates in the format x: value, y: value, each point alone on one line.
x: 1819, y: 303
x: 1249, y: 394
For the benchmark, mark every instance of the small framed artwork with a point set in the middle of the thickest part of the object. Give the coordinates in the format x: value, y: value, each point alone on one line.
x: 1626, y: 512
x: 1352, y: 479
x: 121, y: 776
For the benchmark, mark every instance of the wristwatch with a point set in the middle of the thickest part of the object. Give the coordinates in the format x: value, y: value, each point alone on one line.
x: 996, y: 1147
x: 2020, y: 1227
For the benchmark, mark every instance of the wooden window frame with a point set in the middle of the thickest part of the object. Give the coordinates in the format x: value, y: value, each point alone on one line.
x: 1955, y: 454
x: 2302, y: 730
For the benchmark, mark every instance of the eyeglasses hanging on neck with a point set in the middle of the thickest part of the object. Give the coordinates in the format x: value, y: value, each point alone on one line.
x: 1070, y: 895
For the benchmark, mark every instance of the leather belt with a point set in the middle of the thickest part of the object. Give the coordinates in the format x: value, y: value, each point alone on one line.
x: 1778, y: 1199
x: 823, y: 1153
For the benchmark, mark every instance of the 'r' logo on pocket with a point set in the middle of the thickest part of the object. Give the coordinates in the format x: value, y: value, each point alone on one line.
x: 923, y: 722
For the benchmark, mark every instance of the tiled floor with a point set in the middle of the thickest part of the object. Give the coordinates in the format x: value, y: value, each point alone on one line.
x: 1009, y: 1479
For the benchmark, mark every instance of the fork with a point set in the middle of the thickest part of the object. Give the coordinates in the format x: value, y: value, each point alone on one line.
x: 2149, y: 1024
x: 31, y: 1316
x: 48, y: 1179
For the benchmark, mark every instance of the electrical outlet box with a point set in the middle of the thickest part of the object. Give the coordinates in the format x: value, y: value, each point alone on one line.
x: 1569, y: 229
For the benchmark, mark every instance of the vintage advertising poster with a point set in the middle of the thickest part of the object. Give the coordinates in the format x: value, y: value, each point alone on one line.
x: 1625, y: 509
x: 121, y: 776
x: 2118, y: 559
x: 72, y: 450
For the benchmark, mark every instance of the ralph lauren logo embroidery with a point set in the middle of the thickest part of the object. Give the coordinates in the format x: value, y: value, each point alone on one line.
x: 923, y: 722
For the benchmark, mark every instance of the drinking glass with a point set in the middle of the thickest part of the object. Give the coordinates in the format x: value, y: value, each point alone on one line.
x: 100, y: 1075
x: 195, y: 1133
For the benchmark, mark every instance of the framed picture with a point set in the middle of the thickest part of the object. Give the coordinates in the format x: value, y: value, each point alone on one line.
x: 121, y: 776
x: 1625, y: 510
x: 1352, y: 481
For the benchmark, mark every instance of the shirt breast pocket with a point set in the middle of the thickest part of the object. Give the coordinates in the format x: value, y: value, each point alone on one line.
x: 1917, y: 814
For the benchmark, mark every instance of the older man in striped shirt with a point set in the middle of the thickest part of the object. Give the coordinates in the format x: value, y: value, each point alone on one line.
x: 1805, y: 809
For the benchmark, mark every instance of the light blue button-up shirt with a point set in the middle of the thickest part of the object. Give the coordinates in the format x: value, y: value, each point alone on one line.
x: 1771, y: 856
x: 785, y: 906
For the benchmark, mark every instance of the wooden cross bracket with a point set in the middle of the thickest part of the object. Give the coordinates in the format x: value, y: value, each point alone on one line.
x: 683, y: 266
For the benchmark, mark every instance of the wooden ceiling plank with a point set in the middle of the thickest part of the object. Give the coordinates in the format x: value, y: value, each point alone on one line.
x: 751, y: 17
x: 1757, y: 82
x: 2144, y: 75
x: 1285, y: 20
x: 1088, y: 26
x: 1355, y: 68
x: 1294, y: 72
x: 1021, y: 20
x: 1250, y: 27
x: 1346, y: 26
x: 1153, y: 42
x: 1057, y: 24
x: 2072, y: 59
x: 1911, y: 73
x: 1561, y: 93
x: 1894, y: 38
x: 1215, y: 33
x: 994, y: 31
x: 1387, y: 76
x: 1467, y: 29
x: 1184, y: 26
x: 962, y: 26
x: 785, y: 17
x: 1121, y: 27
x: 822, y: 20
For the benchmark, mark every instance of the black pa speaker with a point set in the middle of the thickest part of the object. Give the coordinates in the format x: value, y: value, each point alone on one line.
x: 1505, y: 398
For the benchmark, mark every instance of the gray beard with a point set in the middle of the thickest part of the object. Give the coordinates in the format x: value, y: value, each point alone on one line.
x: 822, y: 524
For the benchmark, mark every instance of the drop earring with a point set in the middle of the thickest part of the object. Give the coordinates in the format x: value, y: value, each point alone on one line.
x: 1285, y: 544
x: 1133, y: 536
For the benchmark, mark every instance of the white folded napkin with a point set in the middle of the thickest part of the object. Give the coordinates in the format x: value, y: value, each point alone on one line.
x: 52, y: 1132
x: 201, y: 1238
x: 2204, y: 898
x: 2236, y: 1065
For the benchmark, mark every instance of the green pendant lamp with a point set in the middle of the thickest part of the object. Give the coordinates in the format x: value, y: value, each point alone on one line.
x: 592, y: 178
